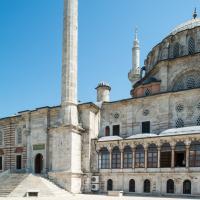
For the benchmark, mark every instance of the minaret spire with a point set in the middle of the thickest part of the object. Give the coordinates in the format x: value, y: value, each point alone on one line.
x: 69, y: 63
x: 134, y: 74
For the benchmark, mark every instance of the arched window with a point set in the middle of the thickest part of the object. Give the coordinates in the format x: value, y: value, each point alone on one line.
x: 139, y: 157
x: 176, y: 50
x: 104, y: 159
x: 109, y: 185
x: 179, y: 123
x: 152, y: 156
x: 170, y: 186
x: 107, y: 131
x: 116, y: 158
x: 19, y: 136
x: 1, y: 138
x: 132, y: 185
x: 191, y: 46
x: 128, y: 157
x: 195, y: 154
x: 180, y: 154
x: 147, y: 186
x: 187, y: 187
x: 165, y: 155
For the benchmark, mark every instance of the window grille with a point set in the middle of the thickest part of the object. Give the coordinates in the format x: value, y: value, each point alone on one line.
x: 128, y: 157
x: 176, y: 50
x: 139, y: 157
x: 152, y: 156
x: 104, y: 159
x: 116, y: 158
x: 190, y: 83
x: 191, y: 46
x: 19, y: 136
x: 179, y: 123
x: 1, y: 138
x: 147, y: 92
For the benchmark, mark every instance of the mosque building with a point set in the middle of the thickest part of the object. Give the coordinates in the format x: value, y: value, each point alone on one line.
x: 147, y: 143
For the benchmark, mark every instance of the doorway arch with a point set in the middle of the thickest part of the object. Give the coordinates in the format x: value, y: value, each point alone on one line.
x: 38, y: 163
x: 109, y: 185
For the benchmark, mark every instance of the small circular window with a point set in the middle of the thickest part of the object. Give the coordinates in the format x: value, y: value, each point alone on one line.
x: 116, y: 115
x: 179, y: 107
x: 145, y: 112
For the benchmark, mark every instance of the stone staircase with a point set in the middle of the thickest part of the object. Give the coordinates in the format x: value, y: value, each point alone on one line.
x: 38, y: 183
x: 9, y: 182
x: 18, y: 184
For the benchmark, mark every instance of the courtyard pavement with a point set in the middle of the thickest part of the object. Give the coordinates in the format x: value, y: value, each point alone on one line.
x: 98, y: 197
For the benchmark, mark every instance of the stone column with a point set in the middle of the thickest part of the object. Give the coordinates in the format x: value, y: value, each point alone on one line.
x: 172, y: 159
x: 145, y: 156
x: 122, y: 158
x: 110, y: 158
x: 133, y: 162
x: 187, y: 155
x: 69, y: 63
x: 158, y: 157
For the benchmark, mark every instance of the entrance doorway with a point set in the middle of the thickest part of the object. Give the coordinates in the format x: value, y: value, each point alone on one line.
x: 38, y: 163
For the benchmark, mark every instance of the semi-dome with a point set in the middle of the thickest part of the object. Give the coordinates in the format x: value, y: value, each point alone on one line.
x: 190, y: 24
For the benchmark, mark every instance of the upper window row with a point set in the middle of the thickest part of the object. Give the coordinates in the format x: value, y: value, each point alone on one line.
x: 116, y: 129
x: 191, y: 48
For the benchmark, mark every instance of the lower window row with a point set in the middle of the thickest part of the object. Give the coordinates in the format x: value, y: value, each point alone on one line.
x: 170, y: 186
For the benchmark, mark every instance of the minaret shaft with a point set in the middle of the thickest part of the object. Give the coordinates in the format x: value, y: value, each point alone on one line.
x: 69, y: 63
x: 134, y: 74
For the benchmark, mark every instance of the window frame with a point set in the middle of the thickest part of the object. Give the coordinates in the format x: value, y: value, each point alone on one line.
x: 116, y: 125
x: 104, y: 161
x: 139, y: 157
x: 194, y: 154
x: 116, y: 158
x: 191, y: 46
x: 143, y: 128
x: 127, y: 157
x: 16, y: 155
x: 152, y: 156
x: 17, y: 137
x: 2, y: 163
x: 107, y: 131
x: 2, y: 134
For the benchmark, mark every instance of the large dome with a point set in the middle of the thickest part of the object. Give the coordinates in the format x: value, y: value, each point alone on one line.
x: 187, y: 25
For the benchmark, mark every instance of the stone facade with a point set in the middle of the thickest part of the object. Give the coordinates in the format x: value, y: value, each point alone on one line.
x: 148, y: 143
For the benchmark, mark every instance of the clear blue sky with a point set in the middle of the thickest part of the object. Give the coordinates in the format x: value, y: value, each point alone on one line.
x: 31, y: 46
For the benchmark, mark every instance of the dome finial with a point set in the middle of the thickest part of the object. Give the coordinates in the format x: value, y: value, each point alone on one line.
x: 195, y: 13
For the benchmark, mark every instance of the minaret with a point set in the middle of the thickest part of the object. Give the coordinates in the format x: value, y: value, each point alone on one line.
x: 66, y: 139
x: 134, y: 74
x: 69, y: 63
